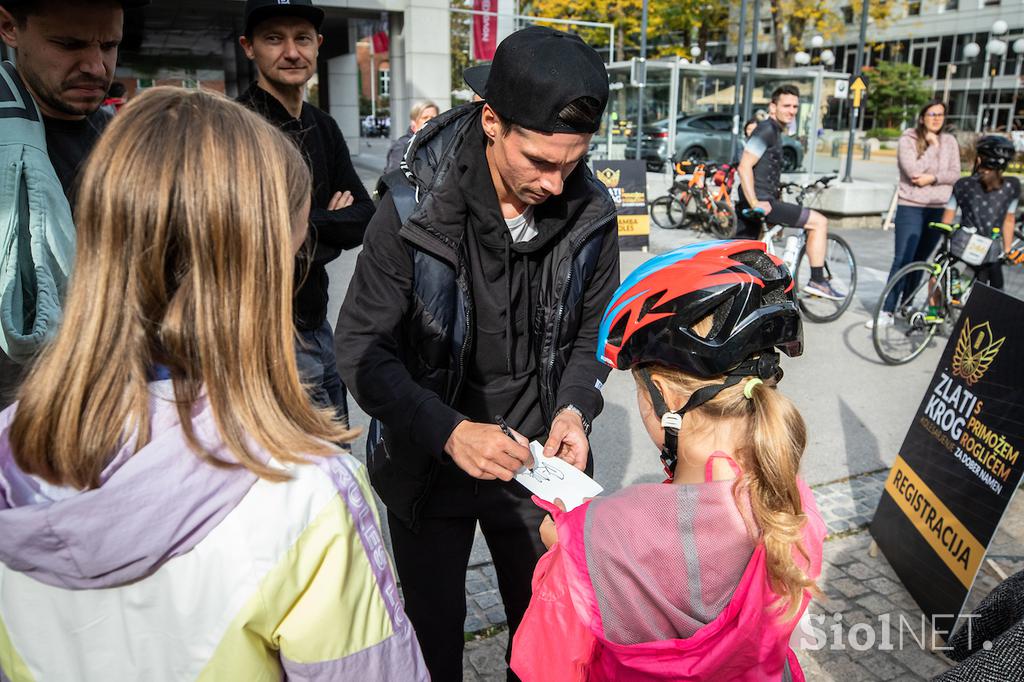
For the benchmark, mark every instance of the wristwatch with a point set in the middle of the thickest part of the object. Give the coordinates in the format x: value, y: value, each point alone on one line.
x: 572, y: 408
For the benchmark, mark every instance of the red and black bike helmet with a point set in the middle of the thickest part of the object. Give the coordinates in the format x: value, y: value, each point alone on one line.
x: 650, y: 320
x: 749, y: 292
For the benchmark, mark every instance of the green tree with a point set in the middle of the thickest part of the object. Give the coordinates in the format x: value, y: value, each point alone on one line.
x: 895, y: 91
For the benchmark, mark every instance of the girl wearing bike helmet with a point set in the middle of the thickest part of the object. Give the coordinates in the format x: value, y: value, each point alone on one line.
x: 986, y: 200
x: 705, y: 578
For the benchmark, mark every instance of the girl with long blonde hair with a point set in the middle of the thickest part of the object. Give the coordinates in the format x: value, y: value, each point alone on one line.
x: 172, y: 506
x: 706, y: 578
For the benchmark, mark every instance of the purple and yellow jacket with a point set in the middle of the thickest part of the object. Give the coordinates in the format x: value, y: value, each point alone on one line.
x: 174, y: 569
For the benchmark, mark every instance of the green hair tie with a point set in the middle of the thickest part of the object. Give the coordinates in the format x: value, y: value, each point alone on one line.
x: 748, y: 388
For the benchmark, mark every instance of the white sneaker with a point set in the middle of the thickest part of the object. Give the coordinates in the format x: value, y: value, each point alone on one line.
x: 885, y: 320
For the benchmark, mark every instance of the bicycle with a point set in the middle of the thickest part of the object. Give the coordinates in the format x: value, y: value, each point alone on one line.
x: 930, y: 294
x: 690, y: 202
x: 669, y: 210
x: 840, y: 263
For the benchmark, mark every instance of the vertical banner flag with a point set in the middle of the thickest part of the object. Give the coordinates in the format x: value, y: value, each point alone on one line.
x: 627, y: 183
x: 960, y: 463
x: 485, y: 30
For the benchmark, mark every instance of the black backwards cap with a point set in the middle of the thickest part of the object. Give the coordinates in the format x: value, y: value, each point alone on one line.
x: 536, y: 72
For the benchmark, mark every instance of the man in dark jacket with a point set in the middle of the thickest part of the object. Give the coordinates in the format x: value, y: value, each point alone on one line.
x: 282, y: 40
x: 66, y: 53
x: 479, y: 293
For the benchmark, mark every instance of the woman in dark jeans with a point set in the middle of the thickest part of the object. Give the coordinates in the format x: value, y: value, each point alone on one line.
x: 929, y: 162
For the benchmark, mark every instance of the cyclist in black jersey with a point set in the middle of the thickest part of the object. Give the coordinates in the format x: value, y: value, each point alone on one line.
x: 987, y: 200
x: 760, y: 171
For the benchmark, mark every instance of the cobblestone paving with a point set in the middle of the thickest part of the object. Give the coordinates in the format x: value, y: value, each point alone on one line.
x: 858, y: 589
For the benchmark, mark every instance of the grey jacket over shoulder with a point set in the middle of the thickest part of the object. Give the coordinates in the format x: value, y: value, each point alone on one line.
x: 37, y: 235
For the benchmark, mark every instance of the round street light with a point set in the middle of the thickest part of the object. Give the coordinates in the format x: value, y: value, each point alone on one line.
x: 828, y: 57
x: 1018, y: 46
x: 971, y: 50
x: 996, y: 47
x: 1000, y: 27
x: 817, y: 41
x: 802, y: 58
x: 695, y: 51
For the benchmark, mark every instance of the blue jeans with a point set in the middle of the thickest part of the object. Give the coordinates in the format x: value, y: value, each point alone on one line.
x: 314, y: 354
x: 914, y: 241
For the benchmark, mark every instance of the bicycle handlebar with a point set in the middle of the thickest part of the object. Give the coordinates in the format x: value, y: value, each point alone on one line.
x: 824, y: 182
x: 943, y: 227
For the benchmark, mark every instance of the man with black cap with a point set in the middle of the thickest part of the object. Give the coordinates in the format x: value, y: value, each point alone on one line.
x: 66, y: 52
x: 476, y: 300
x: 282, y: 40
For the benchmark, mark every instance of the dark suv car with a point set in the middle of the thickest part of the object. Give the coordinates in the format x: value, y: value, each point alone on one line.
x: 704, y: 136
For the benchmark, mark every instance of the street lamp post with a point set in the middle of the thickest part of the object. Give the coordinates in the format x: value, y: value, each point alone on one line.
x: 1018, y: 49
x: 755, y: 41
x: 970, y: 53
x: 855, y: 114
x: 993, y: 48
x: 643, y: 85
x: 737, y: 103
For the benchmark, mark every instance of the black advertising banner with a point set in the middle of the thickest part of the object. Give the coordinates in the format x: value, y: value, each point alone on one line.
x: 627, y: 183
x: 960, y: 463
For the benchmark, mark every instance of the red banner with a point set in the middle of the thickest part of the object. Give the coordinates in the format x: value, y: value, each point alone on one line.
x: 381, y: 43
x: 485, y: 30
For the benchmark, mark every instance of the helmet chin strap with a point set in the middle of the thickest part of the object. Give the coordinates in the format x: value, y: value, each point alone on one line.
x: 764, y: 366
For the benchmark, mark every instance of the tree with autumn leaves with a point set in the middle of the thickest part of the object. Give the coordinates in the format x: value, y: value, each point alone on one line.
x: 674, y: 26
x: 794, y: 22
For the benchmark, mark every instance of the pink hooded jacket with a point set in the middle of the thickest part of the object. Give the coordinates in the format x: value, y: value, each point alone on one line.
x: 571, y: 630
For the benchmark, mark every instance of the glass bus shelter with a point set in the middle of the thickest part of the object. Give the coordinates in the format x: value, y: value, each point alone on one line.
x: 699, y: 98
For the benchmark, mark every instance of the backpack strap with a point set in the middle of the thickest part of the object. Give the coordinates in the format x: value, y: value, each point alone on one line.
x: 403, y: 193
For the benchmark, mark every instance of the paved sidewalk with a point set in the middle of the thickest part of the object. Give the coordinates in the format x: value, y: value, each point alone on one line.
x: 857, y: 589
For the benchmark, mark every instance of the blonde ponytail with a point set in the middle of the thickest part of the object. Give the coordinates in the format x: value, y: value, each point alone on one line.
x: 770, y: 459
x: 778, y: 437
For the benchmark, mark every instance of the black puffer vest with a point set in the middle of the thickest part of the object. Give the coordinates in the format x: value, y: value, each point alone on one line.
x: 438, y: 331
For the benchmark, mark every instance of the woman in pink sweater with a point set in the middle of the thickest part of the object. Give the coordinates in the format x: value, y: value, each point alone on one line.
x: 929, y: 162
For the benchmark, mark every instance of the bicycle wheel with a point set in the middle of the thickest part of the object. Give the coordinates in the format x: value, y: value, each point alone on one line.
x: 914, y: 324
x: 841, y: 272
x: 722, y: 220
x: 667, y: 212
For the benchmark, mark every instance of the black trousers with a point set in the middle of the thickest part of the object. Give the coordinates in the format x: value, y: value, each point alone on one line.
x: 432, y: 562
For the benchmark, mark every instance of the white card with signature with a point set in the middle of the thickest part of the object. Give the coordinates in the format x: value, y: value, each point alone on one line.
x: 553, y: 477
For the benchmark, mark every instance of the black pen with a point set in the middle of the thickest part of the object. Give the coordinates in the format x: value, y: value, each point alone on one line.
x: 500, y: 421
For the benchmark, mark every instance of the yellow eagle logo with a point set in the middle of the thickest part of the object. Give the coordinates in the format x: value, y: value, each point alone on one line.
x: 975, y: 351
x: 609, y: 177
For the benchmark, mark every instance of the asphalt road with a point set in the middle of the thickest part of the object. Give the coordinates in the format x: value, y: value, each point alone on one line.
x: 857, y: 408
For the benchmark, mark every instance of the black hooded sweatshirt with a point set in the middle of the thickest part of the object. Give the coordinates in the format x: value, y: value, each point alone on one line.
x: 501, y: 372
